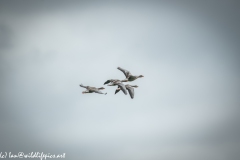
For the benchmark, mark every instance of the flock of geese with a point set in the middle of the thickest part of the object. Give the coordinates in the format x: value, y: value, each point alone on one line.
x: 116, y: 82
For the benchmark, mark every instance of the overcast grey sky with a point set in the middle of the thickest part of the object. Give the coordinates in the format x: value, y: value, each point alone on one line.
x: 186, y: 106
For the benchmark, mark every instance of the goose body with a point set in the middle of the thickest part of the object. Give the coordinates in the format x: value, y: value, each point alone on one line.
x: 128, y: 75
x: 130, y: 89
x: 92, y: 89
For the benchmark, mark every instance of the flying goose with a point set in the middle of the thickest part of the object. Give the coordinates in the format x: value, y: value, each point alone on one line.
x: 129, y: 76
x: 129, y: 88
x: 92, y: 89
x: 119, y: 84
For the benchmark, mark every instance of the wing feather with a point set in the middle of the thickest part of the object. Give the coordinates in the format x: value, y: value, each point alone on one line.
x: 117, y: 90
x: 131, y: 91
x: 108, y: 81
x: 126, y: 72
x: 123, y: 88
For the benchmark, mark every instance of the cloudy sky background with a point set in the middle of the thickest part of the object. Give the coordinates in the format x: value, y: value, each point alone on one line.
x: 186, y: 106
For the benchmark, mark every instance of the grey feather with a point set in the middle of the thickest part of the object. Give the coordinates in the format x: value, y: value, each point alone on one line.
x: 126, y: 72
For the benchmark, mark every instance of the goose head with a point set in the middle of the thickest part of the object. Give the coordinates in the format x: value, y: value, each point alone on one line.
x: 140, y: 76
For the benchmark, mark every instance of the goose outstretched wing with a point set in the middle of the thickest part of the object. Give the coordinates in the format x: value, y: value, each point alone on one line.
x: 123, y: 88
x: 82, y: 86
x: 108, y: 81
x: 131, y: 91
x: 126, y: 72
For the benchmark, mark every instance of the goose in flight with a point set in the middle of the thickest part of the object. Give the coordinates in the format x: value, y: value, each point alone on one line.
x: 120, y: 85
x: 92, y: 89
x: 129, y: 88
x: 129, y: 76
